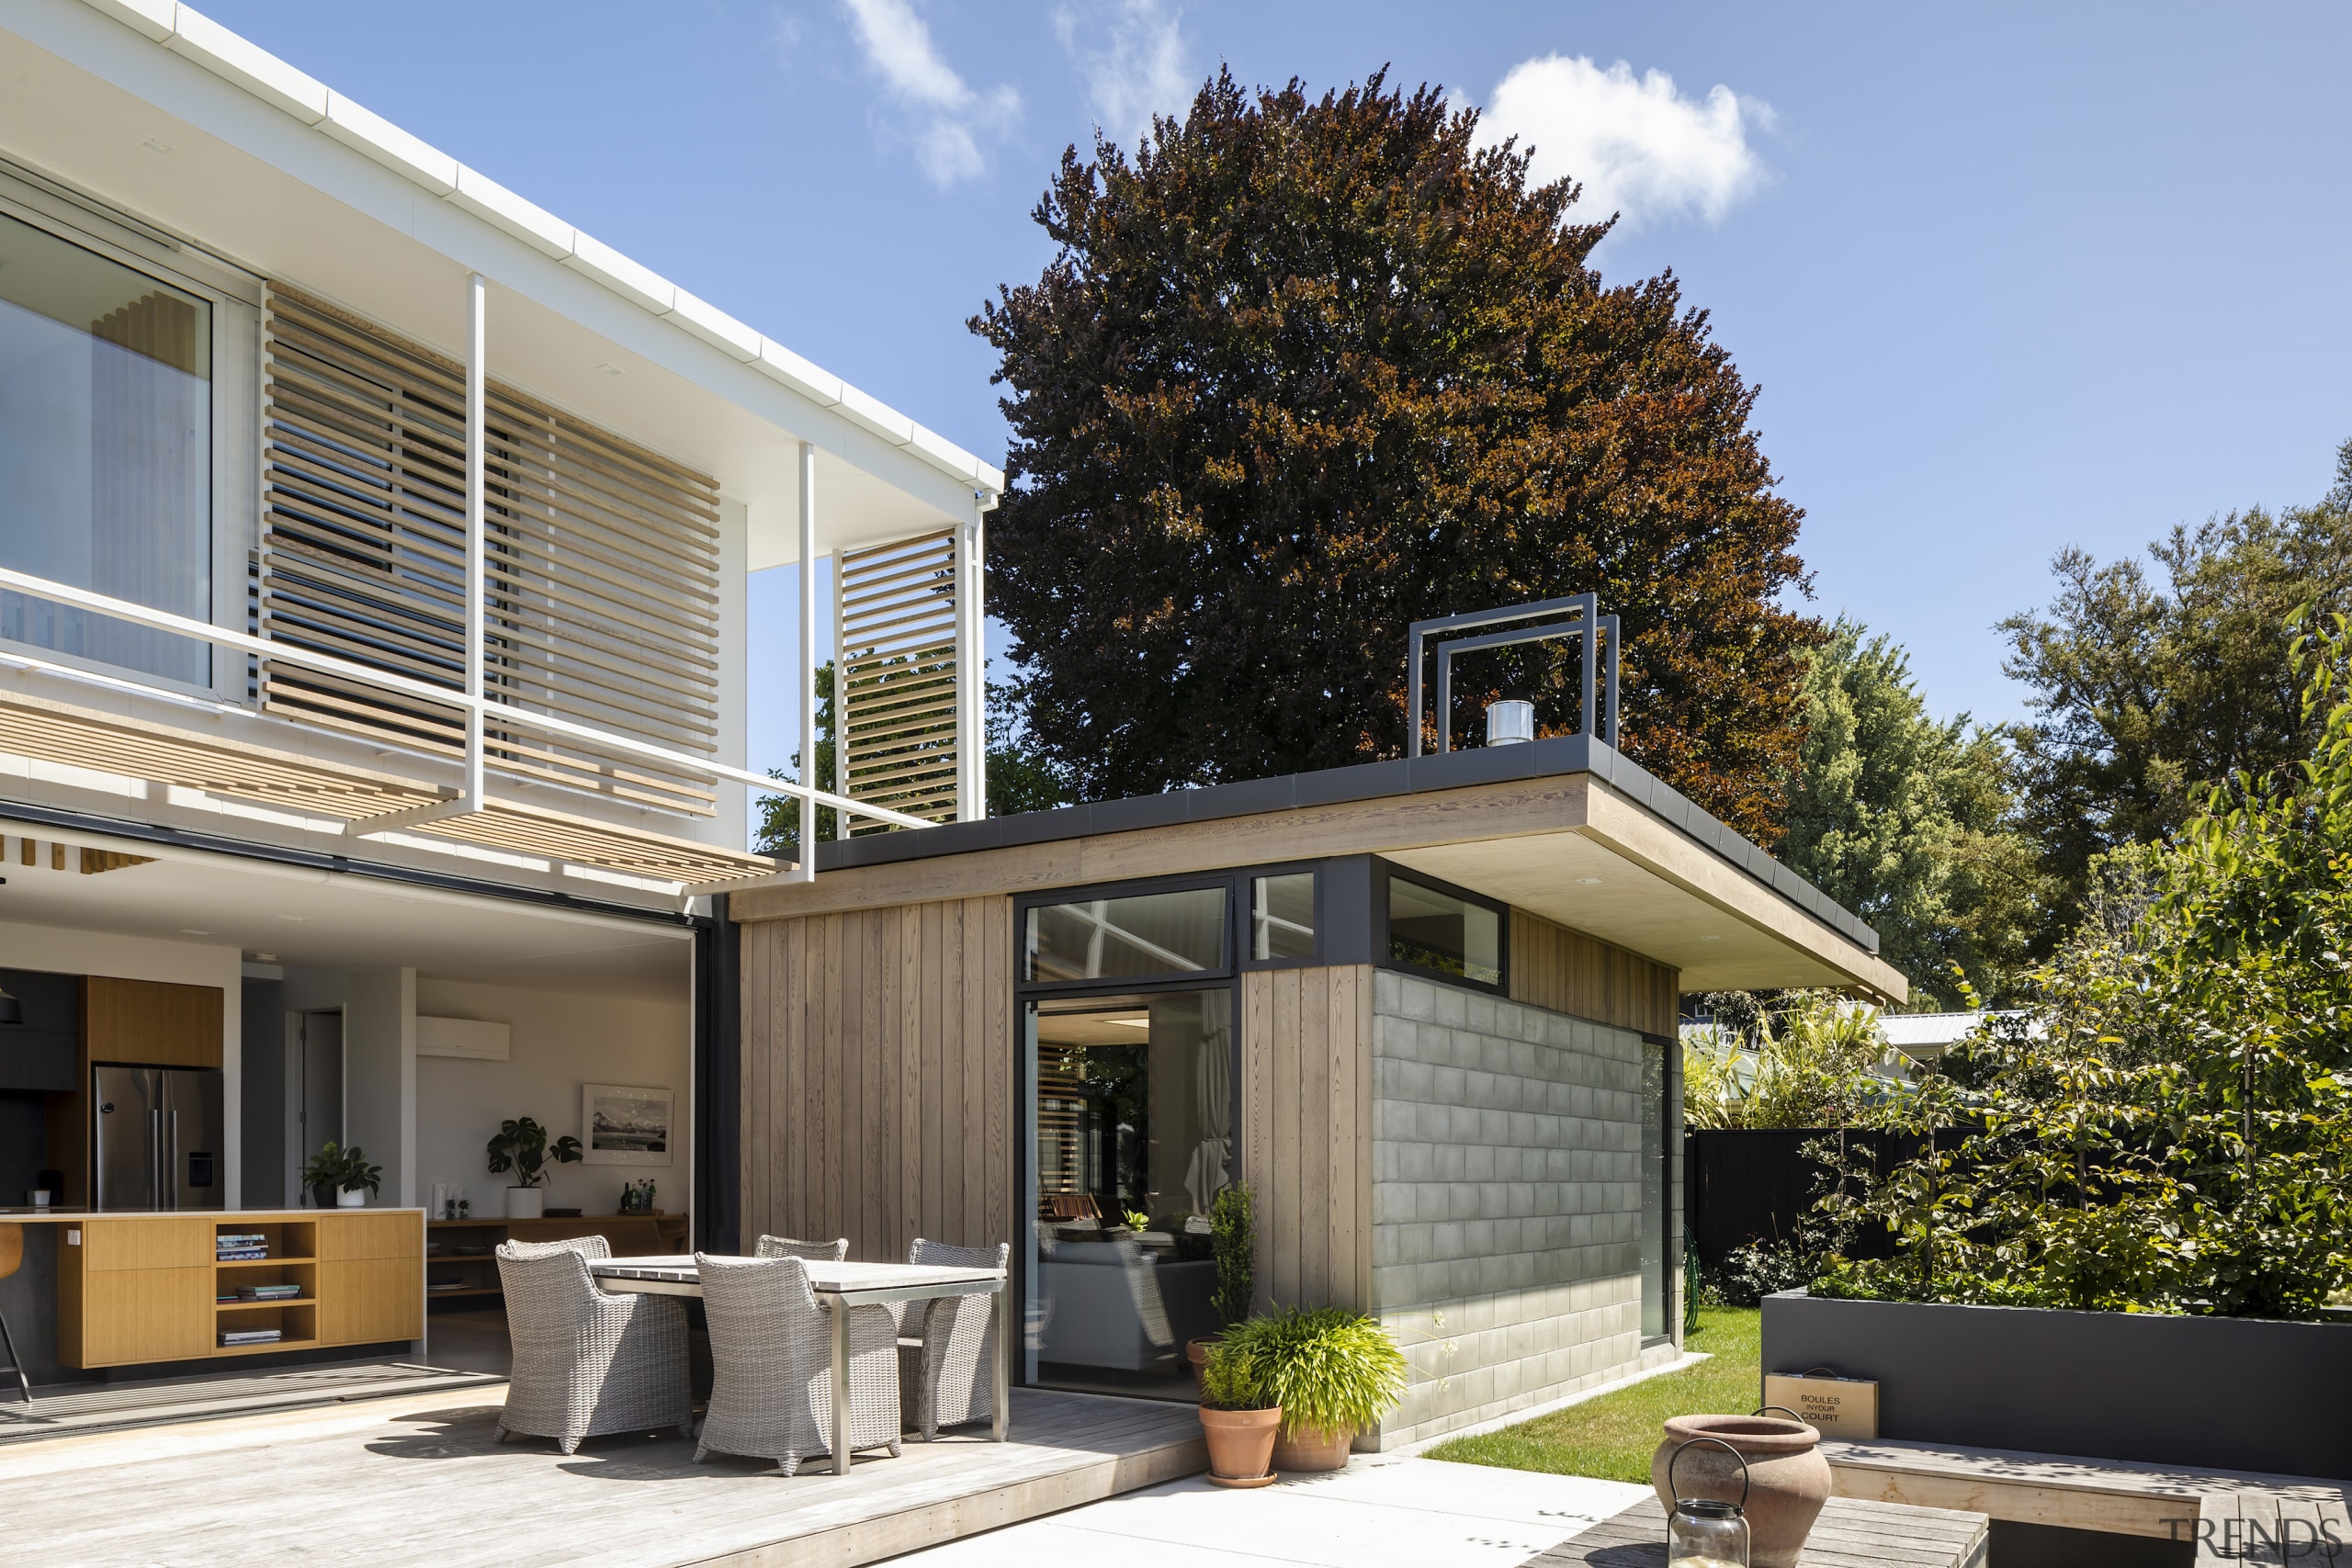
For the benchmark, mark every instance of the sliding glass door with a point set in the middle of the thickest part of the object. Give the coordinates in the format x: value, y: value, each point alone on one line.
x: 1128, y: 1068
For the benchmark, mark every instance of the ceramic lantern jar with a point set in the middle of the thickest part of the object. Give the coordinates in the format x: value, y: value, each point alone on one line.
x: 1788, y: 1481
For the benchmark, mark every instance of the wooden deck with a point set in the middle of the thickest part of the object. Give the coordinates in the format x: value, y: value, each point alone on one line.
x: 421, y: 1481
x: 1850, y: 1533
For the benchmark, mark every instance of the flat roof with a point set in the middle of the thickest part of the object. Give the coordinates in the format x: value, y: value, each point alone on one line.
x: 1568, y: 829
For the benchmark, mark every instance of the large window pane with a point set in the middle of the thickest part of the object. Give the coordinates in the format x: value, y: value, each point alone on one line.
x: 1129, y: 1118
x: 105, y: 435
x: 1121, y: 938
x: 1439, y: 931
x: 1282, y: 916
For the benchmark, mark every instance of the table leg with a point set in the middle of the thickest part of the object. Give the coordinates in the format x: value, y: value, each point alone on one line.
x: 840, y: 1387
x: 1000, y: 1392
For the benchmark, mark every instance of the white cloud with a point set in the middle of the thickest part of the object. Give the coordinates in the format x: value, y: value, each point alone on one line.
x: 1637, y: 146
x: 945, y: 115
x: 1132, y: 54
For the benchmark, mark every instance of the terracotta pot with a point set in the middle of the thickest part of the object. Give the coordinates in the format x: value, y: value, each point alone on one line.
x: 1311, y: 1447
x: 1240, y: 1442
x: 1788, y: 1481
x: 1196, y: 1351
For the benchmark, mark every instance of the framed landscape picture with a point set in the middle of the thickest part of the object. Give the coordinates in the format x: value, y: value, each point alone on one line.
x: 624, y: 1126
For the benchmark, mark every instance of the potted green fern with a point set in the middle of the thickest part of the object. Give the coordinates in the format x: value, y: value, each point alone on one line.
x: 1332, y: 1373
x: 1238, y: 1416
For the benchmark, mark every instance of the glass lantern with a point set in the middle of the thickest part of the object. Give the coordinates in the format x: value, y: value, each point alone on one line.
x: 1704, y: 1533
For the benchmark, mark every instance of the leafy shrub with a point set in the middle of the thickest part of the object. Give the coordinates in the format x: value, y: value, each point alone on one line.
x: 1233, y: 1230
x: 1231, y: 1379
x: 1331, y: 1370
x: 2170, y: 1129
x: 1761, y: 1268
x: 1815, y: 1063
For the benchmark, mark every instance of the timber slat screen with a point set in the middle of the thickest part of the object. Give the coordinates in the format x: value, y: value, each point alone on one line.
x: 895, y: 678
x: 602, y: 563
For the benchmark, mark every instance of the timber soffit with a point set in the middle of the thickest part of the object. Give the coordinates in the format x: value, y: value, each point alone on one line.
x: 1368, y: 781
x: 245, y: 65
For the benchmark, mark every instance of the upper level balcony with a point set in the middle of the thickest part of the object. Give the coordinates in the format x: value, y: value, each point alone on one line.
x: 353, y: 501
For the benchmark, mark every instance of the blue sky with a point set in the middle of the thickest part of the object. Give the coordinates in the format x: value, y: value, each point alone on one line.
x: 2011, y: 276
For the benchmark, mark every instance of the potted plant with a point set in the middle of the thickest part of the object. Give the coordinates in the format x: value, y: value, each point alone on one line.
x: 1333, y: 1373
x: 1238, y: 1416
x: 1233, y: 1244
x: 340, y: 1177
x: 522, y: 1147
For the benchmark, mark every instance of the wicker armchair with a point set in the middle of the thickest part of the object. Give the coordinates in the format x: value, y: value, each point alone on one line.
x: 771, y: 1365
x: 948, y: 1345
x: 587, y: 1362
x: 814, y: 1251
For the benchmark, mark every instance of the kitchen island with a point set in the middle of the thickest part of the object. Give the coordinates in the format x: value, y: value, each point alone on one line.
x: 143, y: 1287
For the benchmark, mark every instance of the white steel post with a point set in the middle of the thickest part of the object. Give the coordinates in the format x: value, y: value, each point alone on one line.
x: 809, y: 773
x: 477, y: 570
x: 971, y: 676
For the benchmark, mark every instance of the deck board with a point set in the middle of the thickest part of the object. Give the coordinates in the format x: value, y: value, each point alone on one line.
x: 422, y: 1482
x: 1850, y: 1533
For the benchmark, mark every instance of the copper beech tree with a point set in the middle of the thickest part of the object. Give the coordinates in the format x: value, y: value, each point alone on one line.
x: 1301, y: 370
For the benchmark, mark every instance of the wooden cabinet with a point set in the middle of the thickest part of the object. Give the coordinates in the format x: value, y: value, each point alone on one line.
x: 372, y: 1278
x: 138, y: 1288
x: 152, y: 1023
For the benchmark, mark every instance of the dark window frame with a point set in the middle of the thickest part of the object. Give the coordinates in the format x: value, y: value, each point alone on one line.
x: 1181, y: 980
x: 1384, y: 950
x: 1245, y: 894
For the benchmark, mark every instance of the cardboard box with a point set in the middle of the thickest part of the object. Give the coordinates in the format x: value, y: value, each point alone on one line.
x: 1844, y: 1408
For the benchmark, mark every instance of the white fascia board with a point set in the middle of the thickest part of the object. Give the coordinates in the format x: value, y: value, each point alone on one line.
x: 991, y: 479
x: 715, y: 327
x: 625, y: 277
x: 877, y: 416
x: 255, y: 69
x: 942, y: 453
x: 369, y: 133
x: 156, y: 18
x: 492, y: 203
x: 818, y: 386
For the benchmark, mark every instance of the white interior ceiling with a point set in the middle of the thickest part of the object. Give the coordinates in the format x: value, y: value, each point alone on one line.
x: 1571, y: 878
x: 338, y: 921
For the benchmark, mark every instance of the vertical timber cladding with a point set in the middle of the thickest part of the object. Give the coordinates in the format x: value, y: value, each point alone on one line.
x: 878, y: 1062
x: 895, y: 679
x: 603, y: 562
x: 1307, y: 1131
x: 1562, y: 970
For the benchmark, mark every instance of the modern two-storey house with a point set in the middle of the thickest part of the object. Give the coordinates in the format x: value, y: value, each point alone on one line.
x: 373, y: 693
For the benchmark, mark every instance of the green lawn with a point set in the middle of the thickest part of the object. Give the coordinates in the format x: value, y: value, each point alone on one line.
x: 1613, y: 1437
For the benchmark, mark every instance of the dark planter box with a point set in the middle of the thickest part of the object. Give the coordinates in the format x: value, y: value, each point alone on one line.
x: 2215, y: 1392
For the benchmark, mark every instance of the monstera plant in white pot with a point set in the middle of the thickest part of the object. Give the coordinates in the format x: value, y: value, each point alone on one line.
x: 522, y: 1147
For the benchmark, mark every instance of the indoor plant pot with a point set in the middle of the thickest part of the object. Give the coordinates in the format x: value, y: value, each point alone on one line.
x: 1788, y: 1481
x: 524, y: 1203
x: 352, y: 1197
x: 522, y: 1147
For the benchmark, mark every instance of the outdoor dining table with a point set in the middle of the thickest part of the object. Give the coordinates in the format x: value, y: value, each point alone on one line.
x: 838, y: 1287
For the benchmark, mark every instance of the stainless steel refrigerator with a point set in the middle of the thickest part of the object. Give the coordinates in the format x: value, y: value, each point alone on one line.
x: 157, y: 1136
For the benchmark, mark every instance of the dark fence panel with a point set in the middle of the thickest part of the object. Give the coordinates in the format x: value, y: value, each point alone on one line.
x: 1756, y: 1184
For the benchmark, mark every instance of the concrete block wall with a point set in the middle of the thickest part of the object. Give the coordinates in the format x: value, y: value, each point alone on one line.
x: 1505, y: 1203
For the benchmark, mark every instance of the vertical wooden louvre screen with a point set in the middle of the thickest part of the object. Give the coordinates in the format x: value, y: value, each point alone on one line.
x: 603, y: 562
x: 895, y: 678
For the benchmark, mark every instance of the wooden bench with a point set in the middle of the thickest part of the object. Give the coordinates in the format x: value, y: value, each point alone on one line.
x: 2234, y: 1516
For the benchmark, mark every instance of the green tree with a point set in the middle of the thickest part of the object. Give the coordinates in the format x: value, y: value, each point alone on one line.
x: 2170, y: 1127
x: 1907, y: 821
x: 1301, y: 370
x: 1015, y: 781
x: 2147, y: 682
